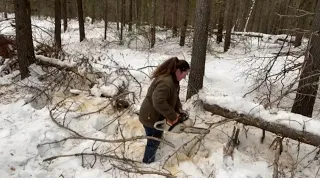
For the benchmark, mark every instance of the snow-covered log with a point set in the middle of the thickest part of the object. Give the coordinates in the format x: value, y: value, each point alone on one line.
x: 273, y: 127
x: 52, y: 62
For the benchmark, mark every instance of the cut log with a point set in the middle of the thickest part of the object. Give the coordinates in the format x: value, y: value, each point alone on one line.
x: 278, y: 129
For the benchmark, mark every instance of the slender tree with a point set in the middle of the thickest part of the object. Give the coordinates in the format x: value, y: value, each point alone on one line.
x: 64, y: 14
x: 105, y: 19
x: 57, y: 24
x: 81, y: 21
x: 153, y: 24
x: 185, y: 24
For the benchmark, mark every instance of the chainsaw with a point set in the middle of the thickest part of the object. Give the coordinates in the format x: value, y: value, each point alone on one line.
x: 180, y: 126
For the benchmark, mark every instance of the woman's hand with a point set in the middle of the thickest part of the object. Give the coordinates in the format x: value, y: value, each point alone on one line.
x: 170, y: 122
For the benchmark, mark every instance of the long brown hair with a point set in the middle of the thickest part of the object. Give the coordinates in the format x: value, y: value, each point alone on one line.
x: 170, y: 66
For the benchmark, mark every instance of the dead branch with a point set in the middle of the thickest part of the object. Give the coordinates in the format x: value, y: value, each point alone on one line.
x: 232, y: 143
x: 278, y: 129
x: 143, y: 171
x: 62, y: 126
x: 111, y: 141
x: 91, y: 154
x: 278, y: 147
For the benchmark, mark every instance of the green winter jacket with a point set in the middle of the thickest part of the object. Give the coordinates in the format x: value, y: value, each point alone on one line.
x: 162, y: 101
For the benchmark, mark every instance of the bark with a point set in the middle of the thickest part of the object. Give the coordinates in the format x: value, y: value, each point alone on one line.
x: 105, y: 19
x: 57, y: 24
x: 199, y: 47
x: 123, y: 3
x: 24, y: 36
x: 185, y: 24
x: 175, y: 18
x: 220, y: 22
x: 130, y: 14
x: 228, y: 23
x: 153, y: 24
x: 64, y: 14
x: 81, y: 21
x: 309, y: 78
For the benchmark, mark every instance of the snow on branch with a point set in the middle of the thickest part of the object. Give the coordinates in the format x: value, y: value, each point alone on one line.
x: 56, y: 63
x: 294, y: 126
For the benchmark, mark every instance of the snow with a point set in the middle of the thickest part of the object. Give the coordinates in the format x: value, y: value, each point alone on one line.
x: 23, y: 128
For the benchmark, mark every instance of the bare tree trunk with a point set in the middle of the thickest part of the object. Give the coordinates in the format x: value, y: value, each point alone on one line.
x: 185, y: 24
x: 64, y: 14
x: 175, y: 18
x: 57, y: 24
x: 199, y: 47
x: 309, y: 78
x: 81, y: 21
x: 264, y: 18
x: 153, y: 24
x: 70, y: 9
x: 257, y: 17
x: 105, y: 19
x: 301, y: 21
x: 130, y: 14
x: 24, y: 36
x: 5, y: 11
x: 93, y: 10
x: 117, y: 16
x: 221, y: 21
x: 228, y: 23
x: 249, y: 16
x: 164, y: 13
x: 122, y: 20
x: 271, y: 17
x: 138, y: 9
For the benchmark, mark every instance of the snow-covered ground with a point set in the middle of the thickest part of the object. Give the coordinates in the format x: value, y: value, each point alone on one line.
x: 23, y: 127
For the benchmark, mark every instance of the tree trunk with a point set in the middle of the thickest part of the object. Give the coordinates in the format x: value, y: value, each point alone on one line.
x: 283, y: 130
x: 24, y: 36
x: 93, y: 10
x: 185, y: 24
x: 57, y: 24
x: 199, y: 47
x: 228, y: 23
x: 105, y: 19
x: 153, y: 24
x: 122, y: 20
x: 309, y: 78
x: 138, y: 12
x: 64, y: 14
x: 117, y: 16
x: 5, y: 11
x: 301, y: 21
x: 81, y: 21
x: 175, y: 18
x: 257, y: 16
x: 164, y: 13
x: 130, y: 15
x: 69, y: 4
x: 221, y: 21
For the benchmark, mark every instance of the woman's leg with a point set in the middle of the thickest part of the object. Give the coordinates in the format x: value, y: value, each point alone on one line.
x: 152, y: 145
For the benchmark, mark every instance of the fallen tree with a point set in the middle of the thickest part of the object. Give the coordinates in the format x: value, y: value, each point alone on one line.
x: 278, y: 129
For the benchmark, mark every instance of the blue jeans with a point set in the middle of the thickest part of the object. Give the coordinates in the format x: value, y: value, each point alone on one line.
x: 152, y: 145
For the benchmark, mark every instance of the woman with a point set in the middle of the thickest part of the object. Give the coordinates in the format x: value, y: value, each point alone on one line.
x: 162, y: 101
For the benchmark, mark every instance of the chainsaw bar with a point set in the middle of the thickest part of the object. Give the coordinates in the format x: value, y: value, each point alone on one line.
x: 195, y: 130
